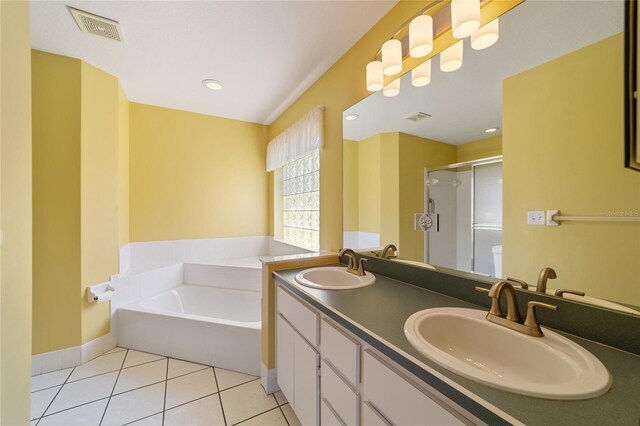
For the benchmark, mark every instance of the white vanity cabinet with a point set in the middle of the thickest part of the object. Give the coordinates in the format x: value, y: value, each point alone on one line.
x: 344, y: 384
x: 297, y: 361
x: 394, y: 400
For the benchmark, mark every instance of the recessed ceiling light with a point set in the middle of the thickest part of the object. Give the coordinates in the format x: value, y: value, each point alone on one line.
x: 352, y: 117
x: 212, y: 84
x: 491, y: 130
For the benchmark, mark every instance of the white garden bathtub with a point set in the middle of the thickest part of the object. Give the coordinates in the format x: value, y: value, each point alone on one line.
x: 209, y: 325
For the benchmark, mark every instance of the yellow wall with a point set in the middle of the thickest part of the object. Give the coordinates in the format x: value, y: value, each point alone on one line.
x: 123, y: 168
x: 340, y: 87
x: 77, y: 127
x: 99, y: 184
x: 15, y: 213
x: 56, y: 202
x: 196, y: 176
x: 368, y: 170
x: 483, y: 148
x: 350, y: 185
x: 415, y: 154
x: 563, y: 149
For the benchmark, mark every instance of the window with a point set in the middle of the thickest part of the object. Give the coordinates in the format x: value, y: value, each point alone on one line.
x: 301, y: 201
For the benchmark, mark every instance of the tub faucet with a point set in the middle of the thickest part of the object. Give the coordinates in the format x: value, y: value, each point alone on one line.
x: 545, y: 274
x: 354, y: 267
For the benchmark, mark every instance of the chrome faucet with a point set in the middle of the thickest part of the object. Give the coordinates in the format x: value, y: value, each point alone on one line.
x: 354, y: 267
x: 545, y: 274
x: 513, y: 319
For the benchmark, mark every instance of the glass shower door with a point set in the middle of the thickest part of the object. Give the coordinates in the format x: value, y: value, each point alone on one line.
x: 487, y: 216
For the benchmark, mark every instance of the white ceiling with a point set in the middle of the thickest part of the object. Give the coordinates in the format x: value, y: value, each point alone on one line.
x: 265, y: 53
x: 466, y: 102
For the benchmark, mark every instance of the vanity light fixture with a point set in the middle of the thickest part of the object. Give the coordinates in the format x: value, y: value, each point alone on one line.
x: 491, y: 130
x: 421, y: 36
x: 486, y: 36
x: 392, y: 57
x: 212, y: 84
x: 375, y: 77
x: 421, y: 75
x: 392, y: 89
x: 352, y: 117
x: 451, y: 57
x: 465, y: 17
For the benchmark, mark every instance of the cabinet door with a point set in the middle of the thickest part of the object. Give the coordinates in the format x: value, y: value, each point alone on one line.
x: 398, y: 400
x: 305, y: 382
x: 284, y: 358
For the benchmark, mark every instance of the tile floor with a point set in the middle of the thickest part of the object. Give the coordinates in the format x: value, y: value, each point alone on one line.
x: 127, y: 387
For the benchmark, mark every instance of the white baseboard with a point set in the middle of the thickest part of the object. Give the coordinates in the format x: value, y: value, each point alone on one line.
x: 268, y: 379
x: 71, y: 357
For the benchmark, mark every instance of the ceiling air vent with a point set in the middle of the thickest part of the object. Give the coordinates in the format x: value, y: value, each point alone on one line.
x: 419, y: 116
x: 94, y: 24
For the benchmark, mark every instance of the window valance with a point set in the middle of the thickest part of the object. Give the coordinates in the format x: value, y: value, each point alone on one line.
x: 303, y: 137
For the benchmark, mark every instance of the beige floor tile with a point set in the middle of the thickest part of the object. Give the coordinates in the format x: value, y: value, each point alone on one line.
x: 290, y: 415
x: 137, y: 358
x: 116, y: 349
x: 83, y: 391
x: 228, y: 378
x: 134, y: 405
x: 203, y: 412
x: 100, y: 365
x: 246, y: 401
x: 270, y: 418
x: 141, y: 375
x: 155, y: 420
x: 41, y: 400
x: 180, y: 368
x: 48, y: 380
x: 280, y: 398
x: 192, y: 386
x: 85, y: 415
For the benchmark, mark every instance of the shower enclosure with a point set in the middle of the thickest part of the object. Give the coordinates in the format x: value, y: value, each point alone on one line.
x: 467, y: 199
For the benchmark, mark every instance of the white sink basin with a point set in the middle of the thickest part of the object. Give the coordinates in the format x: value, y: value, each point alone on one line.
x: 333, y: 278
x: 463, y: 341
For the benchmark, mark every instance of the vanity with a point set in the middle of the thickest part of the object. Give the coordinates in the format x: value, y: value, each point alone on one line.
x: 343, y: 358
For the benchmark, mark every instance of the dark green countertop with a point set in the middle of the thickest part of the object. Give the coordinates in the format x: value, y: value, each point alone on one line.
x: 380, y: 310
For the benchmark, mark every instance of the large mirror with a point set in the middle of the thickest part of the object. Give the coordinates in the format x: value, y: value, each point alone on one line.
x: 532, y: 124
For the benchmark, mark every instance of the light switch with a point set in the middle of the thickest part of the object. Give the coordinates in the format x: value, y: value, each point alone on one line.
x: 535, y: 218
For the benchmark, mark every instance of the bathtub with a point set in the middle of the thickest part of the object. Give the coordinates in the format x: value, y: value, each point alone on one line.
x: 199, y: 323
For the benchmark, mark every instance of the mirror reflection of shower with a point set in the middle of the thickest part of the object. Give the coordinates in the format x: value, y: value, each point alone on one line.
x: 467, y: 199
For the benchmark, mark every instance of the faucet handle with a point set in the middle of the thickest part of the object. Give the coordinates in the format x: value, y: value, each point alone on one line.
x: 482, y: 290
x: 531, y: 320
x: 521, y: 283
x: 361, y: 266
x: 560, y: 292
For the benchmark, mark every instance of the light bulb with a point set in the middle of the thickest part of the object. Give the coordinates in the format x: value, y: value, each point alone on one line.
x: 451, y: 58
x: 485, y: 36
x: 392, y: 57
x: 375, y: 78
x: 465, y: 17
x: 392, y: 89
x: 421, y: 36
x: 421, y: 75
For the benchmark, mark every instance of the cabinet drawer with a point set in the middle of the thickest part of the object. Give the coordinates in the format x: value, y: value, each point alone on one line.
x: 342, y: 352
x: 339, y: 395
x: 398, y: 400
x: 328, y: 416
x: 301, y: 317
x: 371, y: 418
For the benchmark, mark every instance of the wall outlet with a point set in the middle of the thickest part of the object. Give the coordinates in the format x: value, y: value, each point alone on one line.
x: 535, y: 218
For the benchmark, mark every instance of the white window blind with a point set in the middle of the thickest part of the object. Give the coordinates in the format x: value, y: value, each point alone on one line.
x: 304, y: 137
